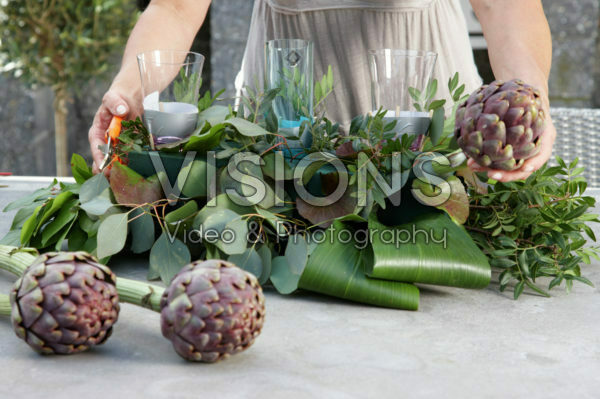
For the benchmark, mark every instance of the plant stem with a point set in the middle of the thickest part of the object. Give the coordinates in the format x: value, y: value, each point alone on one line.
x: 5, y: 308
x: 14, y: 261
x: 139, y: 293
x: 130, y: 291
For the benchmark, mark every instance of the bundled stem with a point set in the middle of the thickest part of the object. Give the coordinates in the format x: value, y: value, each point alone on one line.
x: 5, y: 307
x: 137, y: 293
x: 14, y: 260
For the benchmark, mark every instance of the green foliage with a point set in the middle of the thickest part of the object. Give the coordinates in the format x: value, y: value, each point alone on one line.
x: 338, y: 269
x: 531, y: 229
x: 50, y: 43
x: 323, y: 88
x: 185, y: 87
x: 425, y: 101
x: 429, y: 249
x: 134, y: 137
x: 536, y: 228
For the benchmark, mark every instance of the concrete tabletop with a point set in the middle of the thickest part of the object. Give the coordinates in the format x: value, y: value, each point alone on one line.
x: 460, y: 344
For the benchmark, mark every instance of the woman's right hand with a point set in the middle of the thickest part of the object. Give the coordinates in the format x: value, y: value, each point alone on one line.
x: 113, y: 104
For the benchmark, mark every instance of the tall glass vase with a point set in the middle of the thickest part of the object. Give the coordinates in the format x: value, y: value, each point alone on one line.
x: 289, y: 66
x: 394, y: 74
x: 170, y: 86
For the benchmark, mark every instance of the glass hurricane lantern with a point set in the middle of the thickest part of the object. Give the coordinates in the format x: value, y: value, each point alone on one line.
x: 393, y: 73
x: 171, y: 81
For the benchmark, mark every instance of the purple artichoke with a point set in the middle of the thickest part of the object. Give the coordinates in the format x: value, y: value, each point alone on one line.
x: 212, y: 309
x: 501, y: 124
x: 64, y: 303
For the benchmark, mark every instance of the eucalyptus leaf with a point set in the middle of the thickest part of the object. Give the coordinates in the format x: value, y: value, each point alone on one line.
x: 181, y: 219
x: 93, y: 187
x: 266, y: 258
x: 278, y: 223
x: 112, y: 235
x: 246, y: 128
x: 249, y: 260
x: 214, y: 115
x: 141, y: 224
x: 225, y: 229
x: 12, y: 238
x: 296, y: 253
x: 201, y: 143
x: 196, y: 183
x: 168, y: 257
x: 99, y: 205
x: 283, y: 278
x: 37, y: 195
x: 274, y: 160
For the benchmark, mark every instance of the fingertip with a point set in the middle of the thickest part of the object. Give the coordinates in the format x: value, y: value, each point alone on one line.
x: 115, y: 104
x: 121, y: 110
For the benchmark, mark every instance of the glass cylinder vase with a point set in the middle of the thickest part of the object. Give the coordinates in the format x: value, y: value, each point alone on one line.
x: 289, y: 66
x: 399, y: 82
x: 171, y: 83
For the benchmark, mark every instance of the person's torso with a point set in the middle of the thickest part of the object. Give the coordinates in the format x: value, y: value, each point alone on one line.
x: 344, y: 30
x: 317, y: 5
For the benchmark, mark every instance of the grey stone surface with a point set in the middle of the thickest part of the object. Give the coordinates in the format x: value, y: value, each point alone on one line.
x: 460, y: 344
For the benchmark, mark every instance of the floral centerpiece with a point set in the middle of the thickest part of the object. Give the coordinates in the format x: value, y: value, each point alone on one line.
x: 362, y: 215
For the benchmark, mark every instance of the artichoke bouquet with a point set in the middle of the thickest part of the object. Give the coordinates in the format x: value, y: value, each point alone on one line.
x: 67, y: 302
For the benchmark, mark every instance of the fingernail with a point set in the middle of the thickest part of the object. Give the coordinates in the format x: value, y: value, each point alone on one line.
x: 121, y: 109
x: 497, y: 176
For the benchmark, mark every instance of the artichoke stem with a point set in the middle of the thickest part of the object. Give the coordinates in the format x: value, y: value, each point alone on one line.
x: 15, y: 261
x: 5, y: 307
x: 139, y: 293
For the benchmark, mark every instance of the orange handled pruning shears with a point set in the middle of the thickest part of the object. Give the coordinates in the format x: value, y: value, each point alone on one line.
x: 111, y: 137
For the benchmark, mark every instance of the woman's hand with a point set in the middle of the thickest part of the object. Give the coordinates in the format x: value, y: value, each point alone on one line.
x: 113, y: 104
x: 519, y: 46
x: 164, y: 24
x: 530, y: 165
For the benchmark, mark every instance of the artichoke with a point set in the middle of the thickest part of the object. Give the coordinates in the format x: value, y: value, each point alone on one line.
x: 501, y: 124
x: 212, y: 309
x: 64, y: 303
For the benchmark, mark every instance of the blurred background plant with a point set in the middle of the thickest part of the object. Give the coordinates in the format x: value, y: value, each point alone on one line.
x: 62, y: 44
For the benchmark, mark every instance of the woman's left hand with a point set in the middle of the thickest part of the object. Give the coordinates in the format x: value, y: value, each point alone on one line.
x: 530, y: 165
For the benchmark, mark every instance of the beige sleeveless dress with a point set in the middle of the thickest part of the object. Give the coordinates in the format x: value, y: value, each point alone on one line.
x: 344, y: 30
